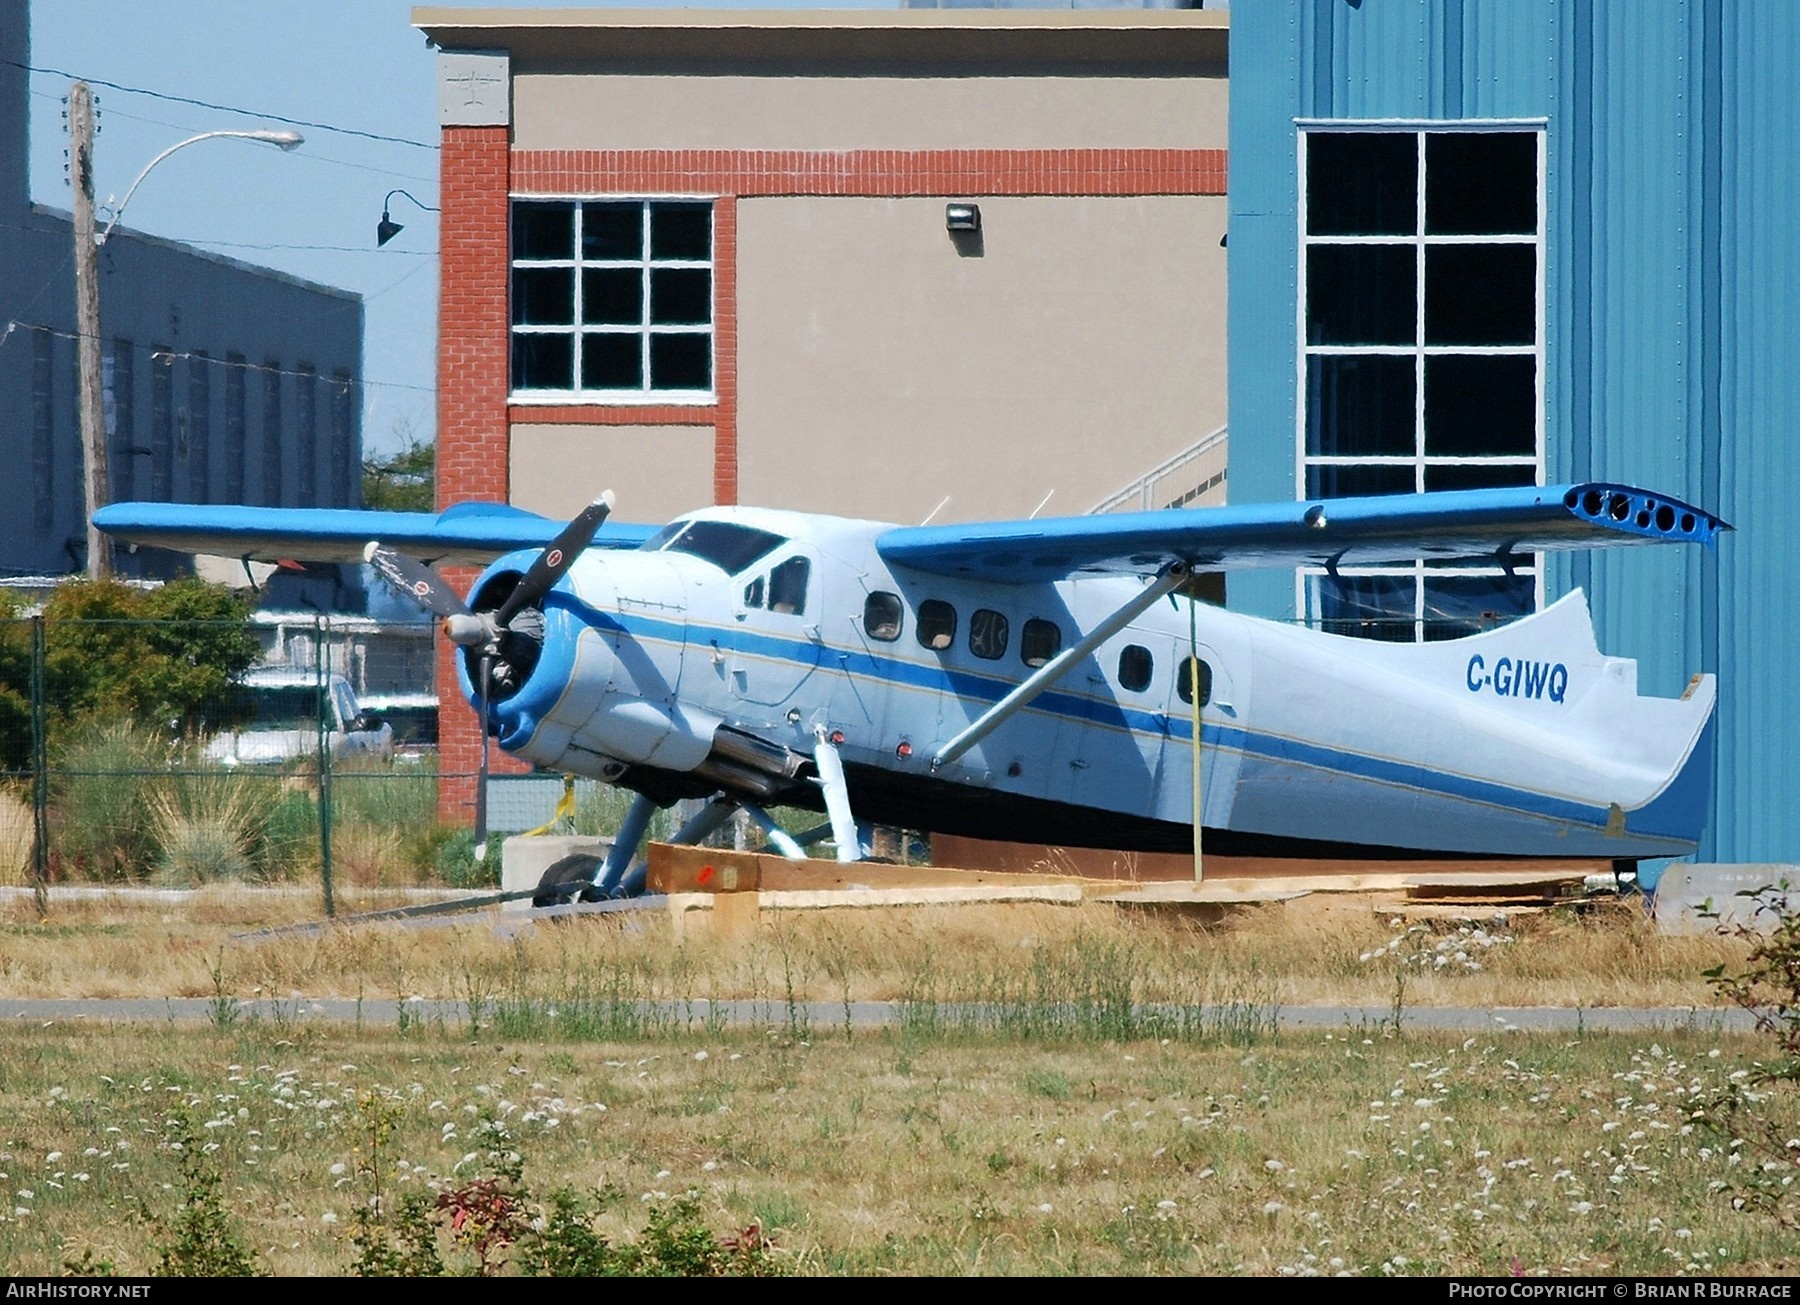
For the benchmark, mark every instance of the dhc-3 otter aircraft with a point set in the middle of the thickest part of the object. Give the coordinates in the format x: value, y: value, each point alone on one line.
x: 1037, y: 680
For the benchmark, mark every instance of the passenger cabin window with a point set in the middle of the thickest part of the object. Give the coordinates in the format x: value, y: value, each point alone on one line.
x: 1184, y: 681
x: 1042, y: 641
x: 937, y: 624
x: 1135, y: 667
x: 753, y: 593
x: 882, y: 616
x: 987, y: 634
x: 787, y: 586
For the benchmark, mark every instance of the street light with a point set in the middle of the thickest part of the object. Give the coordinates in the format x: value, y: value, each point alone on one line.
x: 87, y: 299
x: 286, y: 140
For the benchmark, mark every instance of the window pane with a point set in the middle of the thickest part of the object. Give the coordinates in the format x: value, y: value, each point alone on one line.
x: 1483, y: 182
x: 1041, y: 641
x: 882, y: 616
x: 612, y: 231
x: 787, y: 586
x: 543, y: 362
x: 937, y: 624
x: 1468, y: 604
x: 1480, y: 475
x: 1367, y: 606
x: 1480, y: 405
x: 1184, y: 679
x: 1360, y: 294
x: 681, y: 362
x: 612, y: 296
x: 612, y: 362
x: 543, y: 296
x: 1358, y: 482
x: 987, y: 634
x: 682, y: 231
x: 543, y: 230
x: 1480, y: 294
x: 1135, y: 666
x: 680, y: 295
x: 1360, y: 406
x: 1361, y: 183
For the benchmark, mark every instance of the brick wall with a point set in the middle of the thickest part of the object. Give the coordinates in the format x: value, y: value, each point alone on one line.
x: 480, y: 173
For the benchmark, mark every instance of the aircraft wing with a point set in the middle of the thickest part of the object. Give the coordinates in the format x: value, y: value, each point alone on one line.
x: 469, y: 534
x: 1478, y: 523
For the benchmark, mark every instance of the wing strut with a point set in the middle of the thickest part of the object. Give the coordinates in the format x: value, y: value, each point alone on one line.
x: 1167, y: 581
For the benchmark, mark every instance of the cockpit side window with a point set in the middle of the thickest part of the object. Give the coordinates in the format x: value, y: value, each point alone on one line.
x: 787, y: 586
x: 753, y: 593
x: 726, y: 544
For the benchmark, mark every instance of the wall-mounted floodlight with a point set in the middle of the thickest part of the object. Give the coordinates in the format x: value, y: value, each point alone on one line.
x: 387, y: 228
x: 962, y: 217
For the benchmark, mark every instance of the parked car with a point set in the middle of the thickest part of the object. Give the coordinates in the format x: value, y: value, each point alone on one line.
x: 282, y: 722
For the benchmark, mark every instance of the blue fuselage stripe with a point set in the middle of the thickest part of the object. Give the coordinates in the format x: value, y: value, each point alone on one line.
x: 969, y: 686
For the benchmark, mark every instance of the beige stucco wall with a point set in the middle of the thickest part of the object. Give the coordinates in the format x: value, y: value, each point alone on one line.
x: 881, y: 370
x: 656, y: 471
x: 571, y: 111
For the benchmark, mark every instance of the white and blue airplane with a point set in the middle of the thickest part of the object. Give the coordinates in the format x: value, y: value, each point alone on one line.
x: 1036, y: 680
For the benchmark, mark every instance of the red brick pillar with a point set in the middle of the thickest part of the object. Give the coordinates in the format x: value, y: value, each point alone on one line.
x: 472, y: 433
x: 725, y: 379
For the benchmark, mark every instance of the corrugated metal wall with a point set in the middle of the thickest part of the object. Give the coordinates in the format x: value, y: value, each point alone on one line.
x: 1673, y: 288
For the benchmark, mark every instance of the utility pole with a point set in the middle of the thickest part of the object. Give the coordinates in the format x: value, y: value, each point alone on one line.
x: 87, y: 328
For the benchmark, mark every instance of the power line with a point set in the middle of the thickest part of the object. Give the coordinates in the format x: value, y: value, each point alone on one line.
x: 224, y: 108
x: 168, y: 356
x: 311, y: 156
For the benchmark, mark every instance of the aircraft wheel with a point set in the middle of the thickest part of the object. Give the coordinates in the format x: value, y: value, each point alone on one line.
x: 569, y: 879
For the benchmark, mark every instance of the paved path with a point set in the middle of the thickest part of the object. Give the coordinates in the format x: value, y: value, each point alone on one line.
x: 700, y: 1014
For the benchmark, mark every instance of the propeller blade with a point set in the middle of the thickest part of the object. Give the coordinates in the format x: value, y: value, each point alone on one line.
x: 481, y: 781
x: 554, y: 562
x: 413, y: 578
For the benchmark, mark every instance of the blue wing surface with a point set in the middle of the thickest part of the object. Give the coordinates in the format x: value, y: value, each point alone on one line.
x: 469, y: 534
x: 1495, y: 524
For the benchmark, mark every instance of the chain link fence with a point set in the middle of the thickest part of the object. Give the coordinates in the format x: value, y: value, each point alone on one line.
x: 159, y: 754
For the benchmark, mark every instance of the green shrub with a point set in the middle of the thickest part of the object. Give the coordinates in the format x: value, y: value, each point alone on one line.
x: 103, y: 774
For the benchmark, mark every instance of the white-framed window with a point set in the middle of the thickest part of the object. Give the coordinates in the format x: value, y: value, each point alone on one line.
x: 612, y: 299
x: 1420, y: 350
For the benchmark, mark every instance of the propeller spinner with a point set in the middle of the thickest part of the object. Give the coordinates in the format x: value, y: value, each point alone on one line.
x: 485, y: 633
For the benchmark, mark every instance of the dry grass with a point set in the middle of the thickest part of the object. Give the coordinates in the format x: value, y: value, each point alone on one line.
x: 886, y: 1154
x: 1322, y: 949
x: 16, y: 837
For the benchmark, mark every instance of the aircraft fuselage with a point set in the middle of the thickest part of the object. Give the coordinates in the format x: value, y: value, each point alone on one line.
x: 680, y: 672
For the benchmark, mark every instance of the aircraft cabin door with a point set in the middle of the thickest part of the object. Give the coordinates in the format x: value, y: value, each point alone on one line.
x: 1223, y: 699
x: 776, y: 638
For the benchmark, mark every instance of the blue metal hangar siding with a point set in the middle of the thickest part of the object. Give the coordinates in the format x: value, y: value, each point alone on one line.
x: 1665, y: 246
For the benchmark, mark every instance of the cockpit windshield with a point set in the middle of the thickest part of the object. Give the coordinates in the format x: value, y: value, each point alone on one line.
x: 727, y: 545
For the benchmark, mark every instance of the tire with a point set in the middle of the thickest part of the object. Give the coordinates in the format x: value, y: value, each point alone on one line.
x: 570, y: 879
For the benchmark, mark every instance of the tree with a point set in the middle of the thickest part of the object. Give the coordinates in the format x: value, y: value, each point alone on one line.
x: 405, y: 481
x: 163, y: 654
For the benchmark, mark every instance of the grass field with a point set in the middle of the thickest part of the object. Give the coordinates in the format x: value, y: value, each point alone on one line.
x: 1049, y: 1143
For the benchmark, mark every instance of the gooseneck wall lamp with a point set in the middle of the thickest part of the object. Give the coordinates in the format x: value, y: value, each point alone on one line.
x: 387, y: 228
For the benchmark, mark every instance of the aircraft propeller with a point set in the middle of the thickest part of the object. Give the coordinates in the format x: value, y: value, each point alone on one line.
x: 487, y: 631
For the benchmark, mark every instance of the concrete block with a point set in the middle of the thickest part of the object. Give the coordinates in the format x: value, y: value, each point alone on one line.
x: 1687, y: 895
x: 524, y: 860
